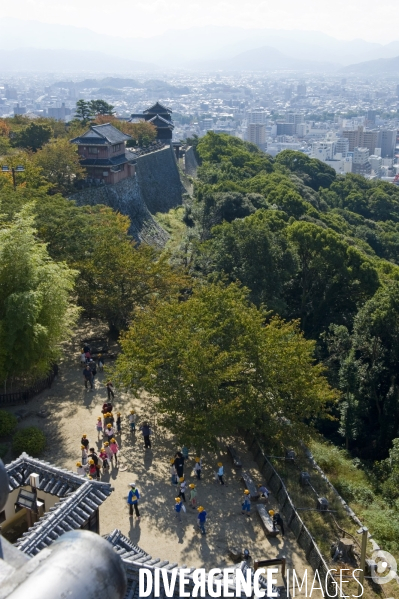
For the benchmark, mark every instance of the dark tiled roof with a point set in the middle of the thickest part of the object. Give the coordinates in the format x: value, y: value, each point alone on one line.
x: 157, y: 108
x: 79, y: 498
x: 128, y: 157
x: 135, y: 558
x: 160, y: 122
x: 102, y: 134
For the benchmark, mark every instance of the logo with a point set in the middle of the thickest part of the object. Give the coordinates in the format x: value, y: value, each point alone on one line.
x: 385, y: 567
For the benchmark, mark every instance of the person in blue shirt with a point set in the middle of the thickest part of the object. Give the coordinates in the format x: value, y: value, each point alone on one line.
x: 246, y: 504
x: 178, y: 506
x: 201, y: 519
x: 133, y: 499
x: 220, y: 473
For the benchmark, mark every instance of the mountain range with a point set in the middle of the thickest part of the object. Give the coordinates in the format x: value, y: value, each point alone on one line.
x: 381, y: 66
x: 33, y: 45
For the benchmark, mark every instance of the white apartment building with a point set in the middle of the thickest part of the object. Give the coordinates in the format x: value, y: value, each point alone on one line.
x: 255, y: 117
x: 323, y: 150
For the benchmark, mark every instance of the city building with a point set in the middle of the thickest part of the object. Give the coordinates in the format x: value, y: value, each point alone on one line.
x: 387, y: 142
x: 376, y: 164
x: 360, y: 162
x: 102, y: 151
x: 256, y: 116
x: 361, y: 138
x: 58, y: 113
x: 301, y: 89
x: 256, y: 134
x: 285, y: 128
x: 342, y: 146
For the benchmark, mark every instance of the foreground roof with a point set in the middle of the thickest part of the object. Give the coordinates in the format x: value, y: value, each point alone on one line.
x: 79, y: 498
x: 135, y: 558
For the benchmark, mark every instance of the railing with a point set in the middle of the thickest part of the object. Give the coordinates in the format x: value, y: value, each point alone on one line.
x: 287, y: 508
x: 24, y: 396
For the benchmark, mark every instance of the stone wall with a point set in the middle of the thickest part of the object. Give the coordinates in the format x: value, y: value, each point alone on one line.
x: 190, y: 162
x: 125, y: 197
x: 156, y: 187
x: 159, y: 180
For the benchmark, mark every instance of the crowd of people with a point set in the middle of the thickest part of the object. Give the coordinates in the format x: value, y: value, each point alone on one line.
x: 94, y: 463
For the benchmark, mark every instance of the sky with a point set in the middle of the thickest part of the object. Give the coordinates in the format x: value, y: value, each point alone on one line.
x: 343, y: 19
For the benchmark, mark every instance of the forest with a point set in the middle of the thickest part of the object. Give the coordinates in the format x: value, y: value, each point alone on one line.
x: 274, y: 307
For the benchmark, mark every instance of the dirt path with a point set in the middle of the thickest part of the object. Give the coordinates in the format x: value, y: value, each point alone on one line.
x: 73, y: 411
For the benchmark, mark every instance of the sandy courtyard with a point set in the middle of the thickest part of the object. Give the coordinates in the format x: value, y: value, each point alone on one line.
x: 74, y: 411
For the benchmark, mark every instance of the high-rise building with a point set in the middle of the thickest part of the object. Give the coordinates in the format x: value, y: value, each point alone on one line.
x: 256, y: 134
x: 387, y: 142
x: 360, y: 162
x: 301, y: 89
x: 375, y: 163
x: 359, y: 138
x: 288, y: 93
x: 342, y: 146
x: 370, y: 117
x: 256, y: 117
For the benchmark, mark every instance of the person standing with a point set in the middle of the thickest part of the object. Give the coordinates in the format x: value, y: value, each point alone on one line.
x: 110, y: 390
x: 108, y: 451
x: 246, y: 504
x: 179, y: 464
x: 85, y: 441
x: 82, y: 358
x: 99, y: 427
x: 133, y: 499
x: 88, y: 377
x: 198, y: 468
x: 146, y: 431
x: 81, y: 470
x: 92, y: 469
x: 109, y: 431
x: 104, y: 457
x: 93, y: 456
x: 115, y: 450
x: 220, y: 473
x: 277, y: 521
x: 173, y: 473
x: 193, y: 495
x: 101, y: 362
x: 84, y: 455
x: 178, y: 506
x: 132, y: 421
x: 183, y: 485
x: 201, y: 519
x: 118, y: 422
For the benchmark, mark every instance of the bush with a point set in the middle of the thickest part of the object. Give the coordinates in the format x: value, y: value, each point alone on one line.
x: 8, y: 423
x: 30, y: 439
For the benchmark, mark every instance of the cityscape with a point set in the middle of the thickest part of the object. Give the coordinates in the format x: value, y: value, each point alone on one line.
x: 350, y: 123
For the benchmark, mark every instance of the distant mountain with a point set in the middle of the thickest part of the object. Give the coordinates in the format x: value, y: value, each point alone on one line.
x: 72, y: 61
x: 381, y: 66
x: 262, y: 59
x: 180, y: 47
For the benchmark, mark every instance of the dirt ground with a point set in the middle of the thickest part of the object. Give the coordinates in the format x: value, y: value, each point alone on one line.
x: 74, y: 411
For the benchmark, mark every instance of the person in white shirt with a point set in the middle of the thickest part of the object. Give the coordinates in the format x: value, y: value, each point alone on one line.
x: 220, y: 473
x: 183, y: 486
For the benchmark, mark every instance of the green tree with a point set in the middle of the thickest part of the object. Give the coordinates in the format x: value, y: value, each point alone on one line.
x: 101, y: 107
x: 333, y: 278
x: 60, y: 165
x: 83, y: 112
x: 33, y: 137
x: 36, y: 312
x: 216, y: 367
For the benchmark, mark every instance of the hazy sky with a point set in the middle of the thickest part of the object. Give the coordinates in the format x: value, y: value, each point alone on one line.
x: 344, y: 19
